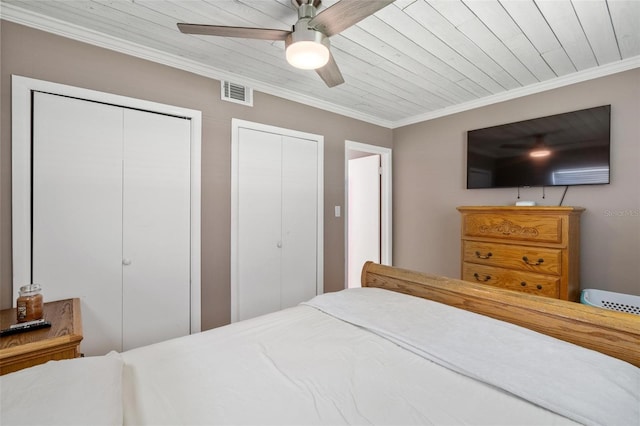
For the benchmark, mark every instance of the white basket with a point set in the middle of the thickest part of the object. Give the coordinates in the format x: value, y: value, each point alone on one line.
x: 611, y: 300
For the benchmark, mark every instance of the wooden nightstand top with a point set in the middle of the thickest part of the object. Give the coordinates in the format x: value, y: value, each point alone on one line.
x: 60, y: 341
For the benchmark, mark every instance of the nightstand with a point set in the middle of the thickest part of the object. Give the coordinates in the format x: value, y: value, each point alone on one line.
x: 60, y: 341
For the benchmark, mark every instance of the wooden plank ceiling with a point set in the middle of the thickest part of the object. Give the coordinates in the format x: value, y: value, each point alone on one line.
x: 412, y: 60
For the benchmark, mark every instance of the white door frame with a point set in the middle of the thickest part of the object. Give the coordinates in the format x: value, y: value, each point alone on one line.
x: 236, y: 125
x: 21, y: 174
x: 386, y: 216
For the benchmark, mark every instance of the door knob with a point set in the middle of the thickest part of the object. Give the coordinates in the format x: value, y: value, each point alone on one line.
x: 126, y: 262
x: 279, y: 244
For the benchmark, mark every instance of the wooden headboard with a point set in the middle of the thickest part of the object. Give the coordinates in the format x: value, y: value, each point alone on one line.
x: 613, y: 333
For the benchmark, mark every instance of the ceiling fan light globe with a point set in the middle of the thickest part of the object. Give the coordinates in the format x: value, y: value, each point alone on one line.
x: 307, y: 55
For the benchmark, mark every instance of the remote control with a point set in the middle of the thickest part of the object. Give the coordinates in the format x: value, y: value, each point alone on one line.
x: 25, y: 326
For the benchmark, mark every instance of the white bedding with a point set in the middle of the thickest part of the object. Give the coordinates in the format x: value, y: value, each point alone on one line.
x: 584, y: 385
x: 302, y: 366
x: 82, y: 391
x: 361, y: 356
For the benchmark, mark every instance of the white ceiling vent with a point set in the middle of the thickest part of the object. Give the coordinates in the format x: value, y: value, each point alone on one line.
x: 237, y: 93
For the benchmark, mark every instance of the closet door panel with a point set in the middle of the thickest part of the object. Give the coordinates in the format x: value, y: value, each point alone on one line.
x: 299, y: 220
x: 156, y: 228
x: 77, y: 211
x: 259, y: 223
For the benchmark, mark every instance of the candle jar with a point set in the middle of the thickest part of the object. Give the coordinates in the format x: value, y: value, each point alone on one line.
x: 30, y: 303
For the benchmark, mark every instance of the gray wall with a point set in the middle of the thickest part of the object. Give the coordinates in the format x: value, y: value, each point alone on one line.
x: 36, y: 54
x: 429, y: 160
x: 429, y: 182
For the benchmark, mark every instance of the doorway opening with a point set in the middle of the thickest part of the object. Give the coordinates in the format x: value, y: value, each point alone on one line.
x: 368, y: 230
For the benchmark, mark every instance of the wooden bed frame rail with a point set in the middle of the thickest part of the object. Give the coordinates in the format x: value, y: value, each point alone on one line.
x: 613, y: 333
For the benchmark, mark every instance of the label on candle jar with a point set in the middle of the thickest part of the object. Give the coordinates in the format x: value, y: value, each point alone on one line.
x: 22, y: 311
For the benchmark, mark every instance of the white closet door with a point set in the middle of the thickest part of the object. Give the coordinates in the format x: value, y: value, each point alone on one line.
x: 259, y: 222
x: 156, y: 228
x: 111, y: 219
x: 77, y: 211
x: 277, y: 221
x: 299, y: 220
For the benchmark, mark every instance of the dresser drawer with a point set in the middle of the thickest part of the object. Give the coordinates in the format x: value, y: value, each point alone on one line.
x: 532, y: 259
x: 513, y: 226
x: 542, y: 285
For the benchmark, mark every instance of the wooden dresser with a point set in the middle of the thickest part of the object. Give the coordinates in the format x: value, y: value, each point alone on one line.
x: 530, y: 249
x: 60, y: 341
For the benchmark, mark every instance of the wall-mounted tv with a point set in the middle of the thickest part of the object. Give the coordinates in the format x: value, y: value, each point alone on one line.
x: 563, y: 149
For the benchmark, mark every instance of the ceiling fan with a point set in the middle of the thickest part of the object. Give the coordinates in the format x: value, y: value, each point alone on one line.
x: 307, y: 44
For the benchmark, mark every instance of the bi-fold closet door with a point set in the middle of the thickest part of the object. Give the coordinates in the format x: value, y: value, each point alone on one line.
x: 111, y: 218
x: 277, y: 221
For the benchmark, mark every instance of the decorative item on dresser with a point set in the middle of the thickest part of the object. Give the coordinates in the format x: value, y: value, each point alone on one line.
x: 530, y: 249
x: 29, y: 348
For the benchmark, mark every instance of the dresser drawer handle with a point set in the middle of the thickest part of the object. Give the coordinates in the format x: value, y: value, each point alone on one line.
x: 526, y: 260
x: 484, y: 280
x: 486, y: 256
x: 524, y: 284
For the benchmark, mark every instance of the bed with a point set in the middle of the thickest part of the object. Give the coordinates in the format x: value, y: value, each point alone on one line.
x: 406, y: 348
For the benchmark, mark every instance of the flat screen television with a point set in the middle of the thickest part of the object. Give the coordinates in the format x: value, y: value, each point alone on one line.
x: 563, y: 149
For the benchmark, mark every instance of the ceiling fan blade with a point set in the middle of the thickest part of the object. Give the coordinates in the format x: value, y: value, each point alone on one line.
x: 330, y: 73
x: 242, y: 32
x: 344, y: 14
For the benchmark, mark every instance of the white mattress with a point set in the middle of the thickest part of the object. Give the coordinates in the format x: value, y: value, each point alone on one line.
x: 304, y: 366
